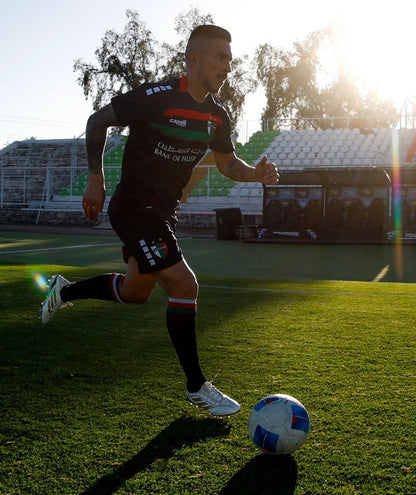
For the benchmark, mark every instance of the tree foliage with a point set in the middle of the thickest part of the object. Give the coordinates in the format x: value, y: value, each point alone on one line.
x: 296, y: 81
x: 296, y: 87
x: 240, y: 82
x: 173, y: 56
x: 126, y: 60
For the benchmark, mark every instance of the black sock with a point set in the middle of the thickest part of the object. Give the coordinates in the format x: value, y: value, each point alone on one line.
x: 102, y: 287
x: 180, y: 318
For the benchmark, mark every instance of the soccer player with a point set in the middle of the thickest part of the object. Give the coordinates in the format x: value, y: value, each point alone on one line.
x: 171, y: 126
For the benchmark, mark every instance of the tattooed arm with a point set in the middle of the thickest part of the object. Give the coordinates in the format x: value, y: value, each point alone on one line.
x: 95, y: 137
x: 236, y: 169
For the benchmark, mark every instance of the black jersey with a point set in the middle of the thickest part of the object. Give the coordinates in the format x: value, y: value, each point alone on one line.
x: 169, y: 134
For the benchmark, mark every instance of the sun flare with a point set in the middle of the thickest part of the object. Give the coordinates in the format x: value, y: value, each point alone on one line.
x: 376, y: 45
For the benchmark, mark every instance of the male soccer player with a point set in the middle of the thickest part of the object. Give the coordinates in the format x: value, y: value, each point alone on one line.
x: 171, y: 126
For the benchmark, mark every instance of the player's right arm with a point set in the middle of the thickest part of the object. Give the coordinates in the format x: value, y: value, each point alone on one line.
x: 95, y: 138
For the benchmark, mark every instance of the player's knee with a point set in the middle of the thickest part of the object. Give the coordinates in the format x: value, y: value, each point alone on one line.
x: 188, y: 289
x: 195, y: 287
x: 140, y: 297
x: 135, y: 294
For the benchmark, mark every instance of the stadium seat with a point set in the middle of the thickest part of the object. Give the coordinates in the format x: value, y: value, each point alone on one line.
x: 406, y: 214
x: 312, y: 214
x: 335, y: 213
x: 273, y: 212
x: 355, y: 214
x: 292, y: 214
x: 376, y: 213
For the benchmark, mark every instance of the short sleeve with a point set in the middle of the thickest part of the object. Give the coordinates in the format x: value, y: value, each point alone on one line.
x: 222, y: 136
x: 131, y: 108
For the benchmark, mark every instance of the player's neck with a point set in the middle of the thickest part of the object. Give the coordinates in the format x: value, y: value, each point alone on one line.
x: 196, y: 90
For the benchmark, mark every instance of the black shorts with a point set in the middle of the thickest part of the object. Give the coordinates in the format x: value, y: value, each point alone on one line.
x: 150, y: 239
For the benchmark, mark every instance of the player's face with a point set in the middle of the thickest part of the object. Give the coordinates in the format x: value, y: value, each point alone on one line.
x: 214, y: 64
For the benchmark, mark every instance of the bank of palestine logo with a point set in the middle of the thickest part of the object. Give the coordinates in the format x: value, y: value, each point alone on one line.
x: 157, y: 248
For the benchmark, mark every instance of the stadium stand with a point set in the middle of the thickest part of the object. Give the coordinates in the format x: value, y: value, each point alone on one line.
x: 339, y: 147
x: 112, y: 169
x: 43, y: 176
x: 34, y: 170
x: 301, y: 150
x: 51, y: 176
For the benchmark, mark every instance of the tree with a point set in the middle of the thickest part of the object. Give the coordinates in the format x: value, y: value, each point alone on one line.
x: 126, y: 60
x: 173, y: 56
x: 289, y: 79
x: 239, y: 82
x: 296, y: 88
x: 238, y: 85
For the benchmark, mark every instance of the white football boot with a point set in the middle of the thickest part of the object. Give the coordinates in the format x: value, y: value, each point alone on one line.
x: 215, y: 402
x: 53, y: 299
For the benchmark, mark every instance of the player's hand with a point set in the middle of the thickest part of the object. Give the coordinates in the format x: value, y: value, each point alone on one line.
x: 266, y: 172
x: 93, y: 200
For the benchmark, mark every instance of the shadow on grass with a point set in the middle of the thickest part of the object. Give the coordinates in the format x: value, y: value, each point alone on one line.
x: 181, y: 432
x: 265, y: 473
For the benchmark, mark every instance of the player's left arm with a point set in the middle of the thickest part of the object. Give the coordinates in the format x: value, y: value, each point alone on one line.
x: 237, y: 169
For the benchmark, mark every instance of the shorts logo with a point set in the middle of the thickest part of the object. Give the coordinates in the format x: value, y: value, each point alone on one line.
x: 158, y: 249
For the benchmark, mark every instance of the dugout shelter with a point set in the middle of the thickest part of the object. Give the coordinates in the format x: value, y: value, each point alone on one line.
x: 340, y: 205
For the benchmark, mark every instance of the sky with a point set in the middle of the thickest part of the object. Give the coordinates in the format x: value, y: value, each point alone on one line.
x: 39, y: 41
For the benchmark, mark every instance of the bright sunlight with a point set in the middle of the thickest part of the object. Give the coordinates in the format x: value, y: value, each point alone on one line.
x: 377, y: 44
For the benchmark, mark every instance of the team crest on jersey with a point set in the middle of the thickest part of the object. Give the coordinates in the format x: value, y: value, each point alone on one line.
x: 211, y: 126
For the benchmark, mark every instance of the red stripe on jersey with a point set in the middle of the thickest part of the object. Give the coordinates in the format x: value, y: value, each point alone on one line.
x: 183, y: 85
x: 191, y: 114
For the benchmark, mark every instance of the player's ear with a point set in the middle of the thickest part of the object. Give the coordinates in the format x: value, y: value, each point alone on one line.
x: 192, y: 59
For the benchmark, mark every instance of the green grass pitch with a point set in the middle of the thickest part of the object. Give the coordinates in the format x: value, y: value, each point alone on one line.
x: 94, y: 403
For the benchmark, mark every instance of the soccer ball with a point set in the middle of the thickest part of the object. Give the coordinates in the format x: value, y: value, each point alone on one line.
x: 279, y: 424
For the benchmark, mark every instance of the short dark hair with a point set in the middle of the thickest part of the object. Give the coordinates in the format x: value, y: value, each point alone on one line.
x: 211, y: 31
x: 208, y: 31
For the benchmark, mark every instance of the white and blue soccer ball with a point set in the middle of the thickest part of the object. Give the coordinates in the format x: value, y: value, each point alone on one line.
x: 279, y: 424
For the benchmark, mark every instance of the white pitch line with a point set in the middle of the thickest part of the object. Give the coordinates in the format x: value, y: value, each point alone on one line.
x: 382, y: 274
x: 22, y: 251
x: 304, y: 291
x: 225, y: 287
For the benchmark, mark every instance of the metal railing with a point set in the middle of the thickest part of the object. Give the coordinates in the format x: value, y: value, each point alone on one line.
x: 20, y: 186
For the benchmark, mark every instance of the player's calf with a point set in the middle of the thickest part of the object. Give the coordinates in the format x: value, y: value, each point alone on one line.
x: 61, y: 292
